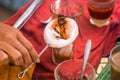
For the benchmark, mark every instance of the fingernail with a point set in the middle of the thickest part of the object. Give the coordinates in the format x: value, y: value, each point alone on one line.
x: 38, y: 60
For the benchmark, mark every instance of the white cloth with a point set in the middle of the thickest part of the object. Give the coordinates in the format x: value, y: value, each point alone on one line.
x: 50, y: 34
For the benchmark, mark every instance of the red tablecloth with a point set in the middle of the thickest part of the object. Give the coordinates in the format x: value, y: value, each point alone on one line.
x: 103, y: 39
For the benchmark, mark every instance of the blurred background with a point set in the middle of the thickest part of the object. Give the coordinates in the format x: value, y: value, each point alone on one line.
x: 9, y: 7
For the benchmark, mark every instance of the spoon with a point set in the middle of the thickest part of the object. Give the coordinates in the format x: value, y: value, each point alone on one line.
x: 22, y: 73
x: 28, y: 13
x: 86, y: 54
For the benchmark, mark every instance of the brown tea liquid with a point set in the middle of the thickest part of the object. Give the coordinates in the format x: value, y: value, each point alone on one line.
x: 115, y: 69
x: 59, y: 56
x: 100, y: 14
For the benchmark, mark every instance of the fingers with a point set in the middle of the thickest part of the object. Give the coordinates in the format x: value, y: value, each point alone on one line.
x: 12, y: 54
x: 4, y: 58
x: 34, y: 55
x: 14, y: 47
x: 29, y: 46
x: 21, y: 48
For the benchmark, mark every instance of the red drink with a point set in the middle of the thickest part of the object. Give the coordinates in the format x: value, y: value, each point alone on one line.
x: 100, y: 13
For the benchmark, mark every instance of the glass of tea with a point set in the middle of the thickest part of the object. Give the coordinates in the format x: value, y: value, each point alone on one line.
x: 60, y: 35
x: 71, y: 70
x: 62, y: 54
x: 100, y: 11
x: 115, y: 63
x: 69, y: 8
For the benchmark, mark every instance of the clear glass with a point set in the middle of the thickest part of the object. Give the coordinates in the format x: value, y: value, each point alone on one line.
x: 71, y: 70
x: 115, y: 63
x: 72, y: 9
x: 62, y: 54
x: 100, y: 11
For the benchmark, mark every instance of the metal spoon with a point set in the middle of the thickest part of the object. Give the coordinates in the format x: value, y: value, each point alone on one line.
x: 86, y: 54
x: 28, y: 13
x: 22, y: 74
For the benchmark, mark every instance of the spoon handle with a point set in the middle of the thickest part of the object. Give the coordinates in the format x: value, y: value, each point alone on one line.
x: 86, y: 54
x: 28, y: 13
x: 22, y: 73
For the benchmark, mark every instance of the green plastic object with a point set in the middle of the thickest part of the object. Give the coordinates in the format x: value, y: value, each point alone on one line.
x: 105, y: 73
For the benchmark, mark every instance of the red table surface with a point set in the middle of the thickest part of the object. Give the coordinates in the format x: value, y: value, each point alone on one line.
x: 103, y: 39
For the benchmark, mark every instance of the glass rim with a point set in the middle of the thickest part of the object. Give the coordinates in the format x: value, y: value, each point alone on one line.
x: 73, y: 16
x: 101, y: 3
x: 90, y: 65
x: 110, y: 57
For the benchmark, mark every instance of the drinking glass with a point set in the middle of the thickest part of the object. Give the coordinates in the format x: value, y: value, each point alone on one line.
x: 61, y: 38
x: 71, y: 70
x: 62, y: 54
x: 115, y: 63
x: 100, y: 11
x: 69, y: 8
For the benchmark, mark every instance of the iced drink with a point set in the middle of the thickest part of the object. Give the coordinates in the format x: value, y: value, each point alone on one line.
x: 115, y: 63
x: 115, y: 67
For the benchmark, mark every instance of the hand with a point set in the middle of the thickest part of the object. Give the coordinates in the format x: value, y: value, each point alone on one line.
x: 14, y: 47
